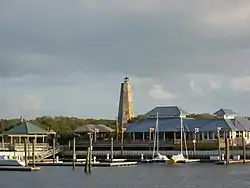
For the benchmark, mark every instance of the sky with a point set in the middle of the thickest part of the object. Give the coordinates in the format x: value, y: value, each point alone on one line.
x: 68, y: 58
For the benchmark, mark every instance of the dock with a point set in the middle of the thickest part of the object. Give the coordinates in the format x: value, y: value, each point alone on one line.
x: 96, y: 164
x: 233, y: 162
x: 18, y: 168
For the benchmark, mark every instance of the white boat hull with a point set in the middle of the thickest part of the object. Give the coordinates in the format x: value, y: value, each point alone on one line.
x: 11, y: 162
x: 179, y: 158
x: 159, y: 159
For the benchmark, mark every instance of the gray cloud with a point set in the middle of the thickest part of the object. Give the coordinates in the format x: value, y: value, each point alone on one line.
x: 193, y: 49
x: 122, y: 37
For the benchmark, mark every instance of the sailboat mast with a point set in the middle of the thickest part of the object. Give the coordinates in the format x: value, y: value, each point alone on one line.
x: 155, y: 137
x: 181, y: 133
x: 157, y: 134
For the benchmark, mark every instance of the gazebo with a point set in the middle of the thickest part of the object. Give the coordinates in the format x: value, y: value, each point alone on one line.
x: 26, y: 130
x: 101, y: 129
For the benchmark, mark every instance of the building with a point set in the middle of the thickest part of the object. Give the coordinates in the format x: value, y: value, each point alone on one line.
x: 225, y: 113
x: 126, y: 109
x: 23, y: 134
x: 205, y: 131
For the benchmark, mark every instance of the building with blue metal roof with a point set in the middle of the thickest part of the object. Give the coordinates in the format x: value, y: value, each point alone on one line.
x: 230, y: 123
x: 225, y: 112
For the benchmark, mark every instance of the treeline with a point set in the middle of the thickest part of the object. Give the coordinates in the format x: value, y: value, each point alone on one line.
x: 61, y: 125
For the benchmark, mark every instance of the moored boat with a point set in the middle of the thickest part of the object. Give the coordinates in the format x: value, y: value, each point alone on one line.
x: 159, y: 157
x: 179, y: 158
x: 8, y: 160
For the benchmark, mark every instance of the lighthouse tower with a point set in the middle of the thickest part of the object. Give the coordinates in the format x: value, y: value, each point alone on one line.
x: 126, y: 109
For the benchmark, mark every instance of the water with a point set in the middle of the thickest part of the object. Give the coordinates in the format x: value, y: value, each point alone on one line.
x: 141, y: 176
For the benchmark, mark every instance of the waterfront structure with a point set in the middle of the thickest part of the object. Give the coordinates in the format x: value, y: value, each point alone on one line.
x: 23, y: 134
x: 225, y: 125
x: 226, y: 113
x: 26, y: 130
x: 126, y: 109
x: 99, y: 131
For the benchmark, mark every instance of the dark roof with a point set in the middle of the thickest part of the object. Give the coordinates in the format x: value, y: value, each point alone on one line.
x: 173, y: 124
x: 26, y: 128
x: 240, y: 123
x: 91, y: 128
x: 224, y: 111
x: 166, y: 111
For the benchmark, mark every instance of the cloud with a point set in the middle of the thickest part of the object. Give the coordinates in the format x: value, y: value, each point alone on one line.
x: 74, y: 53
x: 214, y: 85
x: 27, y: 105
x: 241, y: 83
x: 194, y: 87
x: 159, y: 92
x: 107, y: 37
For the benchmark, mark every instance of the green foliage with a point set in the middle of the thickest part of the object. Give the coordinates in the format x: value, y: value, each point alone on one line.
x: 138, y: 118
x: 64, y: 126
x: 201, y: 116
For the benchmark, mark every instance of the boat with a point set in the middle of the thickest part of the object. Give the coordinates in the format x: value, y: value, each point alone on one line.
x: 179, y: 158
x: 156, y: 157
x: 8, y: 160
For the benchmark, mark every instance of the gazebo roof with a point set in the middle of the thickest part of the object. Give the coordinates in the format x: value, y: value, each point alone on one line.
x: 91, y: 128
x: 26, y: 128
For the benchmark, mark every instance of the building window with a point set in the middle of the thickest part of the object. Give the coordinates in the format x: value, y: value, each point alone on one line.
x: 205, y: 135
x: 222, y: 134
x: 210, y: 135
x: 241, y: 133
x: 200, y: 135
x: 178, y: 135
x: 237, y: 134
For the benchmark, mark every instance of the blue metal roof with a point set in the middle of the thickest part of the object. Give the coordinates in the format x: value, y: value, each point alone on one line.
x: 166, y: 111
x: 224, y: 111
x: 206, y: 125
x: 26, y: 128
x: 241, y: 124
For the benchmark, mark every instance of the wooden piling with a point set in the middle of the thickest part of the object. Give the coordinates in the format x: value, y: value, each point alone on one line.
x: 14, y: 147
x: 33, y: 153
x: 244, y: 149
x: 25, y: 152
x: 90, y: 161
x: 74, y: 152
x: 86, y: 169
x: 54, y: 148
x: 112, y: 149
x: 227, y: 150
x: 90, y: 151
x: 194, y: 147
x: 219, y: 145
x: 28, y: 148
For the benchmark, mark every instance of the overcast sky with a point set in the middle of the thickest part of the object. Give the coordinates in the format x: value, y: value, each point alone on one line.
x: 68, y: 58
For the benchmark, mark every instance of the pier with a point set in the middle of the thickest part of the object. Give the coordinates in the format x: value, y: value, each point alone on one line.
x: 136, y: 154
x: 17, y: 168
x: 241, y: 161
x: 96, y: 164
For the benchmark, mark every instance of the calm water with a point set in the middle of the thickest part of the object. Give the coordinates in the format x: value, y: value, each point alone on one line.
x: 142, y: 176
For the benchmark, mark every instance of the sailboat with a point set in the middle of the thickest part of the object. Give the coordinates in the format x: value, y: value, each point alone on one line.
x: 179, y: 158
x: 156, y: 157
